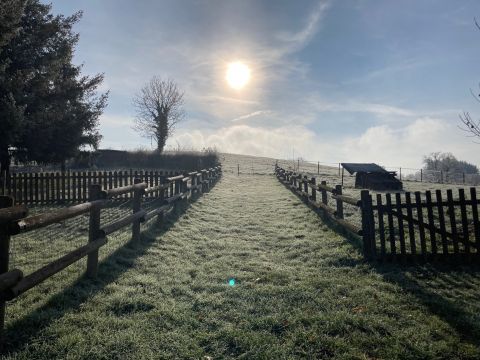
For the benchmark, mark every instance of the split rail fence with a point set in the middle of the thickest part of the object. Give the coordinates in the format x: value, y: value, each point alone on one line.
x: 14, y: 220
x: 401, y: 226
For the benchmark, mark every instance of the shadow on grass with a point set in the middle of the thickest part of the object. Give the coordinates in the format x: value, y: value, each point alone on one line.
x: 448, y: 291
x: 20, y: 333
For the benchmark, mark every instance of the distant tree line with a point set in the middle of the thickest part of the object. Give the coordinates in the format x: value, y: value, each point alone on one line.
x: 48, y: 109
x: 446, y: 162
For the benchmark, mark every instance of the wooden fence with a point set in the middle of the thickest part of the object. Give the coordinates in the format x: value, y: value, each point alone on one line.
x: 317, y: 195
x: 13, y: 221
x: 401, y: 226
x: 71, y: 186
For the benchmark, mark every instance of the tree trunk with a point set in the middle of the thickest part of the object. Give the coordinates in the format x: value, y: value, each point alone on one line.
x: 4, y: 162
x: 162, y: 133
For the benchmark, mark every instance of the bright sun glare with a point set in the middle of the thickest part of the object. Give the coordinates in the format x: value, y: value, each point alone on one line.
x: 238, y: 75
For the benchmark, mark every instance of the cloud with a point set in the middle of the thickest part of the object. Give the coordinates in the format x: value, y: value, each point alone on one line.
x: 248, y: 116
x: 297, y: 40
x: 386, y: 144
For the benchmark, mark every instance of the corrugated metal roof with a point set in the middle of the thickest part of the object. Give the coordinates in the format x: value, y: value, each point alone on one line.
x: 352, y: 168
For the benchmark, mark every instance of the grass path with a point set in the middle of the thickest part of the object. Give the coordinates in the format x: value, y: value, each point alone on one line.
x: 302, y: 291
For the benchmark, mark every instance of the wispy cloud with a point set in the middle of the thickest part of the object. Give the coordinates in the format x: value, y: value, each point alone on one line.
x: 253, y: 114
x: 297, y: 40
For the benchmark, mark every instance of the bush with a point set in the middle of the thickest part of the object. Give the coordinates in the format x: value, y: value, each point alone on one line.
x: 143, y: 159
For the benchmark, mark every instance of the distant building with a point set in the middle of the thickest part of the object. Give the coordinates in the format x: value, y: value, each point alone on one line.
x: 372, y: 176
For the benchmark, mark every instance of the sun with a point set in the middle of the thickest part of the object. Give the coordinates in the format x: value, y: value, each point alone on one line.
x: 238, y: 75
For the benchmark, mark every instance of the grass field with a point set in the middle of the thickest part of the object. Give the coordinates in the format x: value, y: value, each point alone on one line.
x: 301, y: 291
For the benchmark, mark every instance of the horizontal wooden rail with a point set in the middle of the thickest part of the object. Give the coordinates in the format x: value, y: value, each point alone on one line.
x: 54, y: 267
x: 9, y: 279
x: 157, y: 188
x: 13, y: 213
x: 125, y: 189
x: 42, y: 220
x: 175, y: 178
x: 348, y: 199
x: 127, y: 220
x: 156, y: 212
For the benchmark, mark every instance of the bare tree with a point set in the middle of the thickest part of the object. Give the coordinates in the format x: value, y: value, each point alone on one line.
x: 472, y: 127
x: 159, y: 107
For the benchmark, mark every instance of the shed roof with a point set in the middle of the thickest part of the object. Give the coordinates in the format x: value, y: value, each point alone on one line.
x: 352, y: 168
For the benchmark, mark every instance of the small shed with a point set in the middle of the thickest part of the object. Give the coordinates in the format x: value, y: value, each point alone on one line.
x: 372, y: 176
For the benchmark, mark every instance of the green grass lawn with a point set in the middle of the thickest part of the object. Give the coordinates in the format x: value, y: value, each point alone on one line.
x: 301, y: 291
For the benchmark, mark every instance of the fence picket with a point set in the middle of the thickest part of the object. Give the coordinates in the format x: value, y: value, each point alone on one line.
x: 441, y: 220
x: 421, y: 226
x: 393, y: 249
x: 411, y: 229
x: 463, y: 212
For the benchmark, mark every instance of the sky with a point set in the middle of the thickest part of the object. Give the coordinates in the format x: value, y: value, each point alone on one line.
x: 331, y: 80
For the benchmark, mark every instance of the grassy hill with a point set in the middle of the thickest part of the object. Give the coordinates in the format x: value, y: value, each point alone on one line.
x: 299, y: 290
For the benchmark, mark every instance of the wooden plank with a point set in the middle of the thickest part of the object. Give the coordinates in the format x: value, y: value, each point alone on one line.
x: 136, y: 208
x: 476, y: 222
x: 401, y: 231
x: 368, y: 236
x: 324, y: 192
x: 42, y: 220
x: 63, y: 194
x: 391, y: 230
x: 37, y: 199
x: 51, y: 269
x: 441, y: 220
x: 381, y: 226
x: 12, y: 213
x: 25, y: 189
x: 30, y: 189
x: 453, y: 222
x: 127, y: 220
x: 52, y: 188
x: 9, y: 279
x: 125, y: 189
x: 421, y: 227
x: 431, y: 222
x: 95, y: 192
x: 84, y: 186
x: 463, y: 212
x: 411, y: 228
x: 47, y: 188
x: 74, y: 186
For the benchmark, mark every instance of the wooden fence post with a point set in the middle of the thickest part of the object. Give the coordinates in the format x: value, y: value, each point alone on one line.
x: 137, y: 205
x: 367, y: 212
x: 339, y: 213
x: 324, y: 194
x: 5, y: 201
x: 93, y: 230
x: 313, y: 181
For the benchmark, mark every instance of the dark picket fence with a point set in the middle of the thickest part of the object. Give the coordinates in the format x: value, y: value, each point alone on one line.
x: 72, y: 186
x: 401, y: 226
